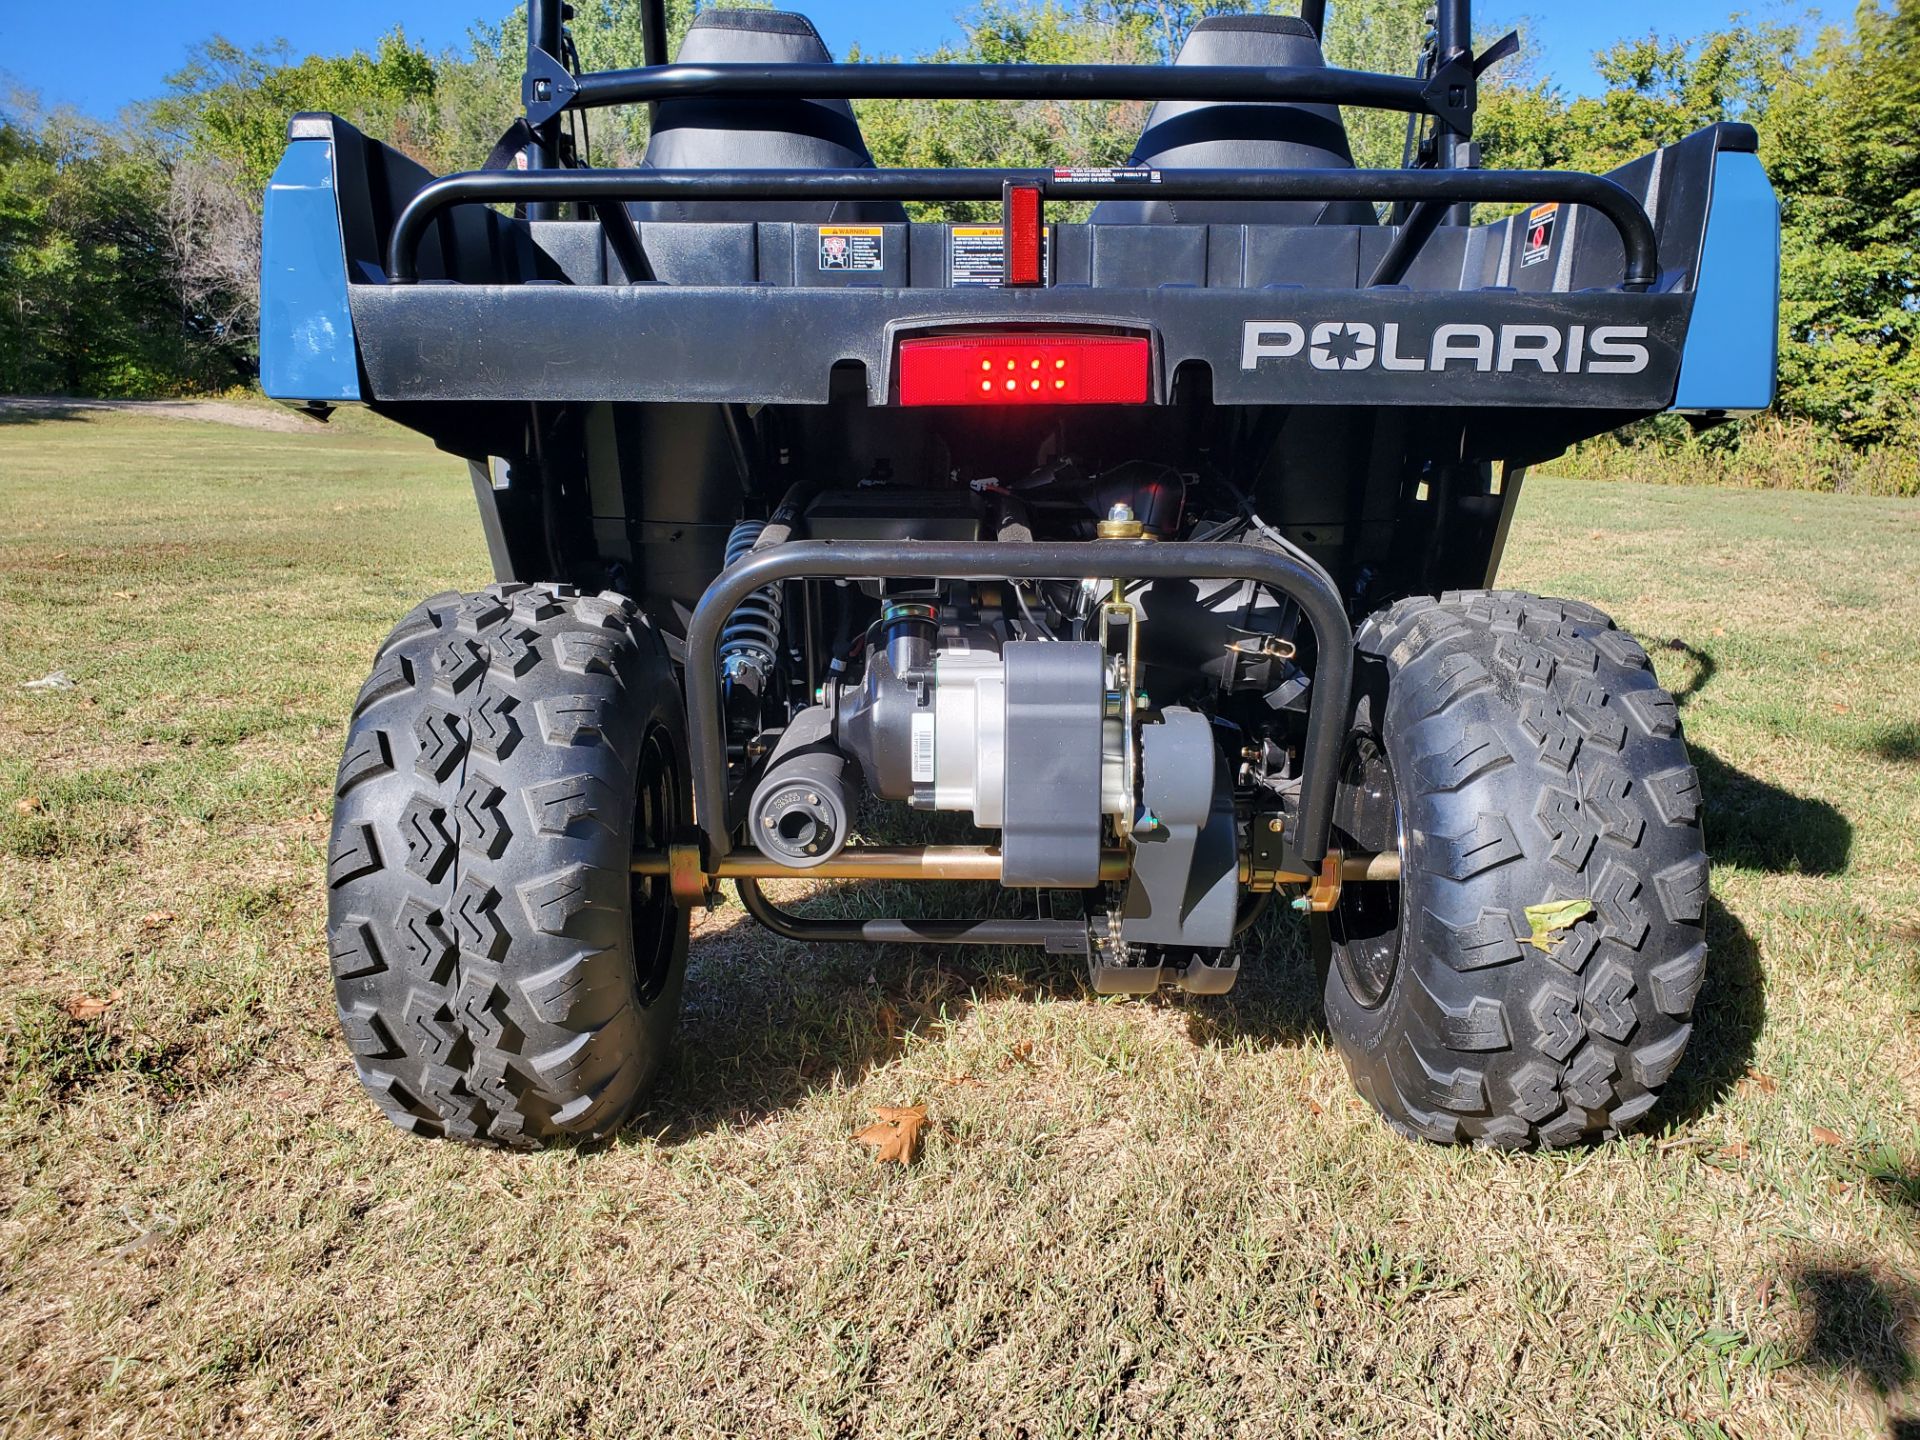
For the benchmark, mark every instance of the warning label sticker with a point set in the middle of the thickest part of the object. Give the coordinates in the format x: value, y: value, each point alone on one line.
x: 1541, y: 221
x: 853, y: 247
x: 979, y: 256
x: 1108, y: 174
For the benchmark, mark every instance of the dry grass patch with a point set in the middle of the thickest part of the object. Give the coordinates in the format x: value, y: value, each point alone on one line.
x: 1159, y: 1218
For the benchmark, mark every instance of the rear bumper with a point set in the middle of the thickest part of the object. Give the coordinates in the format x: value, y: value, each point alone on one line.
x: 780, y: 346
x: 1524, y: 314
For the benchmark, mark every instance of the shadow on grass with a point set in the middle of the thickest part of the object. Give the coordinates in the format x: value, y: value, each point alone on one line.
x: 1728, y: 1015
x: 34, y: 414
x: 769, y: 1021
x: 1899, y: 744
x: 1276, y: 1001
x: 1861, y: 1328
x: 1756, y: 824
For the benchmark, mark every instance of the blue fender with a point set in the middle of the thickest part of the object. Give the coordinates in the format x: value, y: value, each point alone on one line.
x: 306, y: 329
x: 1730, y: 361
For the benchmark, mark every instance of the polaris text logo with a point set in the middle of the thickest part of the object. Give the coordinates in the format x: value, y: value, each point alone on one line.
x: 1358, y: 345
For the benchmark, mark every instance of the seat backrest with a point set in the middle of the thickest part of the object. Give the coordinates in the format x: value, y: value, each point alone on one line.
x: 1229, y: 135
x: 782, y: 133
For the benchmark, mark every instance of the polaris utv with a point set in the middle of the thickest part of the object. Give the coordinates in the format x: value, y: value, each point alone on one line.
x: 1159, y: 546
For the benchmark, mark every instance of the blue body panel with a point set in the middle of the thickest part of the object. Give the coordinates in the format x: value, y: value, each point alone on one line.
x: 306, y: 331
x: 1733, y: 340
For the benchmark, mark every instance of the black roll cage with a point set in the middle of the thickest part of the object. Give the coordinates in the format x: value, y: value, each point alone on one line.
x: 1424, y: 195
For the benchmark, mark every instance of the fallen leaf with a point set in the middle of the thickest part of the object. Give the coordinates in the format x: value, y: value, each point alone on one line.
x: 28, y: 805
x: 1828, y: 1137
x: 1557, y: 915
x: 1757, y: 1083
x: 88, y: 1007
x: 1736, y: 1151
x: 1719, y: 632
x: 895, y: 1137
x: 154, y: 919
x: 1842, y: 709
x: 960, y: 1080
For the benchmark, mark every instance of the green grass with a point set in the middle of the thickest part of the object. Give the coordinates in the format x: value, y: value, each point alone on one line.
x: 1160, y: 1218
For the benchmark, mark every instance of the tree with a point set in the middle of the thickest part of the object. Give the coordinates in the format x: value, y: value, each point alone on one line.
x: 232, y: 105
x: 86, y: 303
x: 1843, y: 147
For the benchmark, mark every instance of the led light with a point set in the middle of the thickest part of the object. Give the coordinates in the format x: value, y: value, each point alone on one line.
x: 1085, y: 369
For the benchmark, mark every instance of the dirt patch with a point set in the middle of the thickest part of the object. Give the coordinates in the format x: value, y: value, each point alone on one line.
x: 215, y: 412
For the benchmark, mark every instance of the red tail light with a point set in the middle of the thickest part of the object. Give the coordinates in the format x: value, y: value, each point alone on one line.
x: 1024, y: 370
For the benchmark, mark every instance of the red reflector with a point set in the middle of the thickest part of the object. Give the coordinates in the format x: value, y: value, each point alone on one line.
x: 1022, y: 219
x: 1024, y: 370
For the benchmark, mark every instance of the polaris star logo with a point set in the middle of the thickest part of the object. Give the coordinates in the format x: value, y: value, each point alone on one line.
x: 1486, y: 349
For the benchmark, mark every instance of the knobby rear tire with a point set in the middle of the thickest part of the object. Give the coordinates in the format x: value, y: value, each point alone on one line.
x: 501, y: 976
x: 1518, y: 752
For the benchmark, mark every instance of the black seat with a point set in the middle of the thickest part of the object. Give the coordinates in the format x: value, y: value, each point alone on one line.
x: 1227, y: 135
x: 729, y: 133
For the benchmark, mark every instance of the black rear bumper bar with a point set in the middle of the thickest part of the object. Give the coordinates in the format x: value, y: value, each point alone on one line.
x: 609, y: 187
x: 1293, y: 576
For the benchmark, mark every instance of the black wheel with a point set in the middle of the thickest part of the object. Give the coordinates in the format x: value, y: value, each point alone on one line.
x: 501, y: 975
x: 1514, y: 752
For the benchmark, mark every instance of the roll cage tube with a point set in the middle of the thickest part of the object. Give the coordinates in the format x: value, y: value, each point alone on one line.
x: 548, y: 88
x: 1292, y: 575
x: 1626, y: 214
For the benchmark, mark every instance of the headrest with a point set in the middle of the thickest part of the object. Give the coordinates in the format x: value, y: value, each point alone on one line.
x: 747, y: 36
x: 1258, y: 25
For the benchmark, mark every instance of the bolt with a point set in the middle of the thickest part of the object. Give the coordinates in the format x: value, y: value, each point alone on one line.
x: 1304, y: 905
x: 1147, y: 823
x: 812, y: 799
x: 1276, y: 825
x: 1122, y: 511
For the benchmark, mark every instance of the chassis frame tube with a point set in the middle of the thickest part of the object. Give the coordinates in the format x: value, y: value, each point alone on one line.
x: 1062, y: 935
x: 1627, y: 216
x: 1294, y: 576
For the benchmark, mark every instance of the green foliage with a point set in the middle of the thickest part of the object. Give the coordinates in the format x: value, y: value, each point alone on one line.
x: 233, y: 105
x: 1845, y: 154
x: 86, y: 303
x: 941, y: 134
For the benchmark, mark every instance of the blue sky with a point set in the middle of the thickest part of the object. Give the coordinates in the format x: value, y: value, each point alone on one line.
x: 101, y: 54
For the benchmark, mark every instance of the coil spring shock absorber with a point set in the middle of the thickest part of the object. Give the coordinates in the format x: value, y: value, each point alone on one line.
x: 750, y: 640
